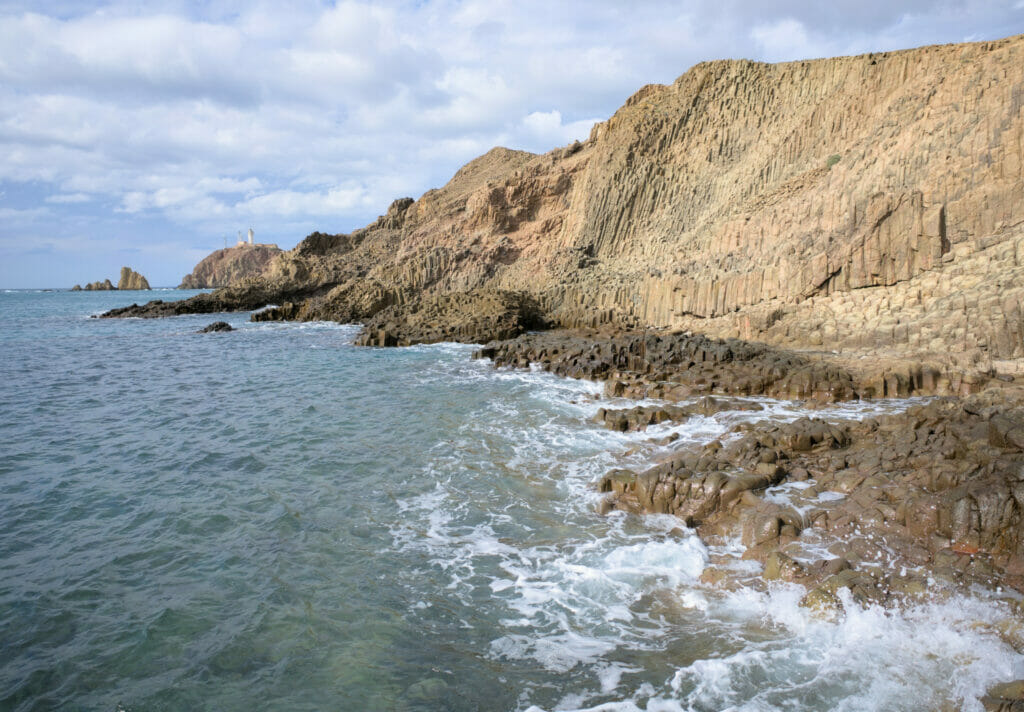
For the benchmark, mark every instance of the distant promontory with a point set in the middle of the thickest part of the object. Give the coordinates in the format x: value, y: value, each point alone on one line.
x: 230, y: 265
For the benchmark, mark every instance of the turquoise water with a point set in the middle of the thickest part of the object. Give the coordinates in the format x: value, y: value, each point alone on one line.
x: 275, y: 519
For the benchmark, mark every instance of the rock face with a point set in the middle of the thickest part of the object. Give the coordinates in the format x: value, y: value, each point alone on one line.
x: 230, y: 265
x: 852, y: 204
x: 130, y: 279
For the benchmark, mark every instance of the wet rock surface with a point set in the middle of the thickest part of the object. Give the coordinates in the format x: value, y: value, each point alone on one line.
x: 899, y: 501
x: 1008, y: 697
x: 215, y: 327
x: 639, y: 417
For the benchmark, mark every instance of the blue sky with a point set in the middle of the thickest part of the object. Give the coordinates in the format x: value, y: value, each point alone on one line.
x: 147, y: 133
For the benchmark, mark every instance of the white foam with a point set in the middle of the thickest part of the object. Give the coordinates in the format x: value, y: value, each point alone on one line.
x: 674, y: 562
x: 510, y: 522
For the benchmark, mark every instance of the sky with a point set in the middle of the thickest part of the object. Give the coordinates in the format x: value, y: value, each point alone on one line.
x: 148, y: 134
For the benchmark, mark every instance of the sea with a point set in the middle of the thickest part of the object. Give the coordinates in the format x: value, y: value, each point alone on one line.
x: 275, y: 519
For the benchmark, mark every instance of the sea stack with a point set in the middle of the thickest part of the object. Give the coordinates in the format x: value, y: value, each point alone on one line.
x: 130, y: 279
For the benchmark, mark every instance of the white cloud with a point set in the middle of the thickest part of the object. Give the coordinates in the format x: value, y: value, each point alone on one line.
x: 548, y: 129
x: 69, y: 198
x: 784, y: 39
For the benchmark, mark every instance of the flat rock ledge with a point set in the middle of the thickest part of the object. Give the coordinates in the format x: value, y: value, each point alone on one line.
x: 673, y: 365
x: 242, y: 297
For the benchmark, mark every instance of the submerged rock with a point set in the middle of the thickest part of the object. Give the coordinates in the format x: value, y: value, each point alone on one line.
x: 216, y: 326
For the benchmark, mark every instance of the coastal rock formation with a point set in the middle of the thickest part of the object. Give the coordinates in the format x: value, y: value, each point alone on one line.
x: 103, y: 286
x: 849, y: 204
x: 130, y: 279
x: 230, y: 265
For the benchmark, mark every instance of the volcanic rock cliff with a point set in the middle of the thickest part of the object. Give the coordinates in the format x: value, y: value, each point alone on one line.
x: 857, y: 203
x: 230, y: 265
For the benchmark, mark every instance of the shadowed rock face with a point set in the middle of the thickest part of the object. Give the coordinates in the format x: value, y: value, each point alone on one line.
x: 854, y: 203
x: 229, y: 266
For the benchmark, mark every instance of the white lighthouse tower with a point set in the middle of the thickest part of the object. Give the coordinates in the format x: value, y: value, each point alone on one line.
x: 251, y: 233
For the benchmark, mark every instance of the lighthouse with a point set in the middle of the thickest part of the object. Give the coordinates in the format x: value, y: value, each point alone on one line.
x: 251, y: 233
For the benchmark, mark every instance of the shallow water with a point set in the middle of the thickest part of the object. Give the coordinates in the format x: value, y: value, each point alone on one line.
x: 274, y: 519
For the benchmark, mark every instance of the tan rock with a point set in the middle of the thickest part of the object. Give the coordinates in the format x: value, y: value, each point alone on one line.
x: 130, y: 279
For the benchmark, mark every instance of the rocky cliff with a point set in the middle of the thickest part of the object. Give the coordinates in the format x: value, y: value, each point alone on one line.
x: 230, y: 265
x: 851, y: 204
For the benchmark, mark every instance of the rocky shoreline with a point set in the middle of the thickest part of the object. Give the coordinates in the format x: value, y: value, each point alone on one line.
x: 909, y: 506
x: 936, y: 490
x: 701, y: 248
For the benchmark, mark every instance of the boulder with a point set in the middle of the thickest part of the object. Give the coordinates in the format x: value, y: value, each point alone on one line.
x: 216, y: 326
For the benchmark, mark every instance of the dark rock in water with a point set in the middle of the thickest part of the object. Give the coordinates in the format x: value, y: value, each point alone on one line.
x: 216, y: 326
x: 243, y: 297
